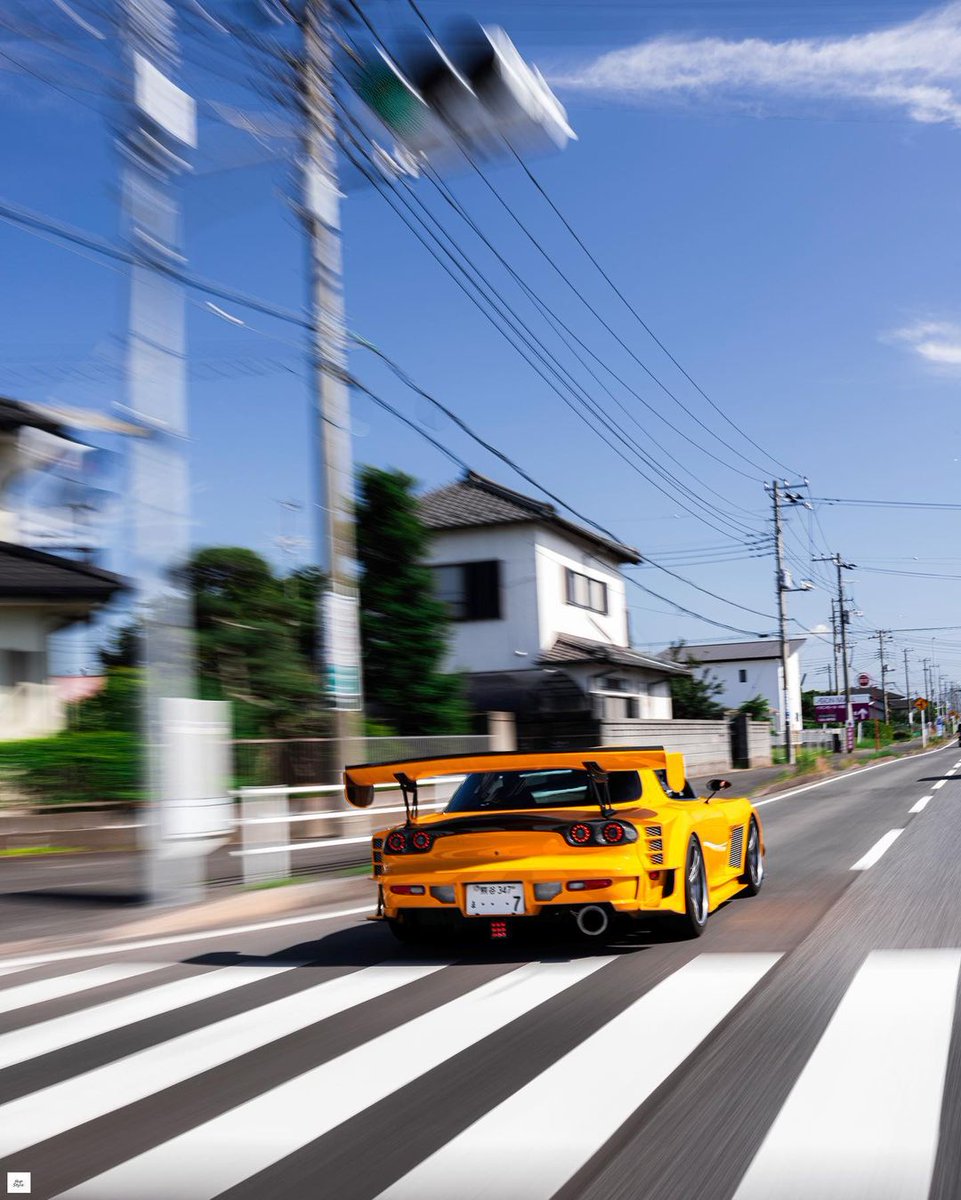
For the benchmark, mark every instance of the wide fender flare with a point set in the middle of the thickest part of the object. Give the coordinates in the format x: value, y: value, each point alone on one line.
x: 677, y: 834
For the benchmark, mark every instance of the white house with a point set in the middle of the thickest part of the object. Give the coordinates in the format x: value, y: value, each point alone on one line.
x: 40, y: 593
x: 749, y: 669
x: 539, y: 609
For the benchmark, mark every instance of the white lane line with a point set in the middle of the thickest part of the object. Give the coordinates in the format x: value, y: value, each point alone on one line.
x: 951, y: 772
x: 63, y: 1106
x: 939, y: 784
x: 221, y: 1153
x: 517, y: 1148
x: 809, y: 787
x: 175, y: 939
x: 880, y: 846
x: 921, y: 804
x: 10, y: 970
x: 863, y: 1117
x: 24, y: 1044
x: 65, y: 985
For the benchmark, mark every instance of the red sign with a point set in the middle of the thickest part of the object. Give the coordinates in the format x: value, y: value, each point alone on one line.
x: 864, y: 681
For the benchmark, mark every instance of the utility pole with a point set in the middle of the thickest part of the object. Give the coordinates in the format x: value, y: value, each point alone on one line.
x: 338, y: 616
x: 834, y: 646
x: 782, y: 582
x: 907, y: 690
x: 881, y: 635
x: 842, y: 566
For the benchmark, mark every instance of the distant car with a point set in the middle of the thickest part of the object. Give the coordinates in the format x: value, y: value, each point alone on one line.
x: 592, y: 838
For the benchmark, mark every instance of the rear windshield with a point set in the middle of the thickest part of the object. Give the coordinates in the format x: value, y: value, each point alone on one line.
x: 562, y: 788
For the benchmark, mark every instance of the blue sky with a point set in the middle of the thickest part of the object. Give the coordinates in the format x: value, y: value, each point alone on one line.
x: 772, y: 186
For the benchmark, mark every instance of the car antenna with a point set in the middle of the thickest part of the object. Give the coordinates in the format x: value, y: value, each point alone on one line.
x: 600, y: 781
x: 408, y: 789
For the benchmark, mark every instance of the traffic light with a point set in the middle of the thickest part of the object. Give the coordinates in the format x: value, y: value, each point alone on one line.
x: 479, y: 95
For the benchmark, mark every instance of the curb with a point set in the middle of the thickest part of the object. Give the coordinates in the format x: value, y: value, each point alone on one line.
x: 211, y: 914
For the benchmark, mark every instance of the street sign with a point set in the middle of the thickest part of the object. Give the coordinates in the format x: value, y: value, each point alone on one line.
x: 864, y: 681
x: 834, y: 709
x: 850, y: 736
x: 921, y: 703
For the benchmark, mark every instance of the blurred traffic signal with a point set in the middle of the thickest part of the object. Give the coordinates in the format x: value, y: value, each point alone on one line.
x: 476, y: 97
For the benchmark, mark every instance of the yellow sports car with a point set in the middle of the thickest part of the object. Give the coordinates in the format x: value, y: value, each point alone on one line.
x: 591, y: 837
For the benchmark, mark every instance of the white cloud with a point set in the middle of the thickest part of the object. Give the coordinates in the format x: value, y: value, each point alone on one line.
x: 937, y: 342
x: 914, y: 67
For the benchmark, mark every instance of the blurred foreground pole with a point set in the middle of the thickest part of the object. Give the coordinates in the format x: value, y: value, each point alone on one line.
x: 338, y: 618
x: 158, y: 128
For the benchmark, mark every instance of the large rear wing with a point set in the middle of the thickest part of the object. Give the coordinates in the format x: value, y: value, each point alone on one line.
x: 359, y: 780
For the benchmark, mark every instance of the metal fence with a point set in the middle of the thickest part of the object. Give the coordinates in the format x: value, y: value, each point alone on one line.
x: 303, y: 762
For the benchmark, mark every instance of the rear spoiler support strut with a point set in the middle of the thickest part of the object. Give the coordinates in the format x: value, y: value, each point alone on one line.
x: 408, y: 788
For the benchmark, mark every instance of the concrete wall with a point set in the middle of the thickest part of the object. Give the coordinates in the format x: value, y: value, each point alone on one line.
x: 759, y: 743
x: 706, y: 745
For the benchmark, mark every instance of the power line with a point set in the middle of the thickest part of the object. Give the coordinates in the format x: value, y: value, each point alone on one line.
x: 522, y: 332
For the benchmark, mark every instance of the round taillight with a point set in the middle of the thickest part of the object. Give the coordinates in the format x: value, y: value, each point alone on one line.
x: 580, y: 834
x: 612, y: 833
x: 396, y: 842
x: 421, y: 840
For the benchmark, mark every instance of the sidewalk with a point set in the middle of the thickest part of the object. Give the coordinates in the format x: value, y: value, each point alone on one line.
x: 74, y: 906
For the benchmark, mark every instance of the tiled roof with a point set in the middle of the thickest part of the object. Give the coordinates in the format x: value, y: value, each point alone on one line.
x: 718, y: 652
x: 476, y: 500
x: 569, y: 649
x: 31, y: 574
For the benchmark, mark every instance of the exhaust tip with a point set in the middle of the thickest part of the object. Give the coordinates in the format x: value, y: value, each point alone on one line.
x: 592, y: 920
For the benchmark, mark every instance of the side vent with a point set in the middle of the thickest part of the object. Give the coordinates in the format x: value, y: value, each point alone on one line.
x: 737, y: 846
x: 376, y: 856
x: 655, y: 844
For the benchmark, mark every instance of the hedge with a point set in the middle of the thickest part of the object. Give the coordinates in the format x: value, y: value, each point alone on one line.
x: 74, y: 767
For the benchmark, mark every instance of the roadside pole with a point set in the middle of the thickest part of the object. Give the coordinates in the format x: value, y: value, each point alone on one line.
x: 338, y: 605
x: 783, y: 586
x: 842, y: 566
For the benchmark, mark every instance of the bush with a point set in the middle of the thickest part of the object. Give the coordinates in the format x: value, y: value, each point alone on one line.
x: 902, y: 735
x: 74, y: 768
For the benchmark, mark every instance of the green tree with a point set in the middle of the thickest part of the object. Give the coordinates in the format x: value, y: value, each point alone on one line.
x: 757, y: 708
x: 693, y: 696
x: 254, y: 631
x: 404, y: 627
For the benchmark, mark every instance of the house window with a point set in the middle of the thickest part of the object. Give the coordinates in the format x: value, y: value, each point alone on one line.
x: 471, y: 590
x: 742, y: 676
x: 584, y: 592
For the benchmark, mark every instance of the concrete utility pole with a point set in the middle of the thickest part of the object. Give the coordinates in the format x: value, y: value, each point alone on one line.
x: 881, y: 635
x: 907, y: 690
x: 842, y: 566
x: 338, y: 616
x: 779, y: 494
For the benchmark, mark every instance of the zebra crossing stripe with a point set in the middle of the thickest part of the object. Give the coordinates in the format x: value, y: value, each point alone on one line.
x: 214, y: 1156
x: 65, y: 985
x: 24, y: 1044
x: 864, y: 1114
x: 63, y: 1106
x: 662, y: 1029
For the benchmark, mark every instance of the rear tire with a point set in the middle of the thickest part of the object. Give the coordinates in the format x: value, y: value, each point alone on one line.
x: 406, y: 931
x: 753, y: 877
x: 696, y: 896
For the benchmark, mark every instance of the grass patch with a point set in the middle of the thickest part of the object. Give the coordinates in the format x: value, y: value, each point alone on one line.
x: 37, y: 851
x: 264, y: 884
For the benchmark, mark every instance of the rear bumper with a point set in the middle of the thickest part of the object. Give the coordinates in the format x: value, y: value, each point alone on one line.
x: 651, y: 892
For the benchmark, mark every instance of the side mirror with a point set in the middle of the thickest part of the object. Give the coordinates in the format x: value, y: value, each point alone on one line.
x: 718, y: 785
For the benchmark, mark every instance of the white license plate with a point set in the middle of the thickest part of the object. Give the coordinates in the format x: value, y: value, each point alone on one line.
x: 494, y: 899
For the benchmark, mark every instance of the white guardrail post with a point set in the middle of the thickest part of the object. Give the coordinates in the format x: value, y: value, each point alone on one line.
x: 265, y: 837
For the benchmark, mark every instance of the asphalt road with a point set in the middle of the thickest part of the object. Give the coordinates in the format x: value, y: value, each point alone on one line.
x: 807, y: 1046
